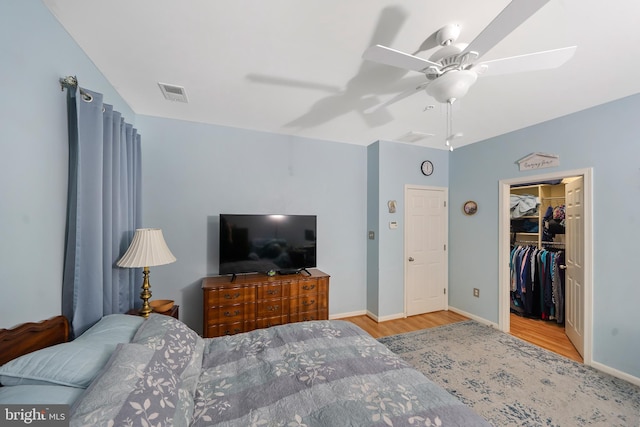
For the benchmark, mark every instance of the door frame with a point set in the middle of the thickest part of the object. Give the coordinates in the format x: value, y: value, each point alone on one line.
x: 504, y: 186
x: 445, y: 192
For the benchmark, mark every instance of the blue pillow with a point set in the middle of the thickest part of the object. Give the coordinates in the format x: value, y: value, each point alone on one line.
x: 39, y: 395
x: 75, y: 363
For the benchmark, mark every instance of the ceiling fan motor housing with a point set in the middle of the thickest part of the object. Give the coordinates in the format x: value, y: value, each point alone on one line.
x: 448, y: 34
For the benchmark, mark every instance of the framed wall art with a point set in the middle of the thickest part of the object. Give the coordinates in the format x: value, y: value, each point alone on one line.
x: 470, y: 207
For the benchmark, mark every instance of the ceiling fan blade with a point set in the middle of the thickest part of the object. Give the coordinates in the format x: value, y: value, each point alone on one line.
x: 398, y: 97
x: 530, y: 62
x: 508, y: 20
x: 395, y: 58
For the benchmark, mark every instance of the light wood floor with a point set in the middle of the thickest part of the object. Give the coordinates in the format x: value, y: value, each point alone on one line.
x: 548, y: 335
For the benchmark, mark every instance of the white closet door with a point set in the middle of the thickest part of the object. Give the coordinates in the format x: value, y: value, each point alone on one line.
x: 574, y: 278
x: 425, y: 249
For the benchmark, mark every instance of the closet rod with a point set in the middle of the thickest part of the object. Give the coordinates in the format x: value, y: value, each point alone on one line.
x: 534, y: 243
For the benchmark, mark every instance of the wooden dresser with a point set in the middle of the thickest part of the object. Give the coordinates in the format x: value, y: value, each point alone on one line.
x: 254, y: 301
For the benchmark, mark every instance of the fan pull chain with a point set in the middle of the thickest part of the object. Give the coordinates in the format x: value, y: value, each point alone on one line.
x: 449, y: 124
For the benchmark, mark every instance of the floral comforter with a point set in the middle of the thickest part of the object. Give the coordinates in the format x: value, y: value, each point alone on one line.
x: 322, y: 373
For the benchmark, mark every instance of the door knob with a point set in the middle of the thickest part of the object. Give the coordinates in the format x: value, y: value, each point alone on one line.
x: 411, y: 259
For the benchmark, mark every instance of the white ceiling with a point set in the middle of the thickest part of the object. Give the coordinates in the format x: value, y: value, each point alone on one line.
x: 295, y: 67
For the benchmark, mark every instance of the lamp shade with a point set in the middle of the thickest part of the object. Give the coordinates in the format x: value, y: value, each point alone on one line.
x: 147, y: 249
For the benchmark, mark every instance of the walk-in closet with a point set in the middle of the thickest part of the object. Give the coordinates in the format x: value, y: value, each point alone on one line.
x: 540, y: 239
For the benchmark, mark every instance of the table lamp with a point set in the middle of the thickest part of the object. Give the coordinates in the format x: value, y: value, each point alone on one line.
x: 147, y: 249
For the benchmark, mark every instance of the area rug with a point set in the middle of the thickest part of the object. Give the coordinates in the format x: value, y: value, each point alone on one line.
x: 513, y: 383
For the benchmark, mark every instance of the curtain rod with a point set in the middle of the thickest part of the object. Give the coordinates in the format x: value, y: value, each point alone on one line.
x: 71, y: 82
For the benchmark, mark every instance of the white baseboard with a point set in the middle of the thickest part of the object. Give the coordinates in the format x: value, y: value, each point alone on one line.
x: 614, y: 372
x: 351, y: 314
x: 386, y: 318
x: 474, y: 317
x: 368, y: 314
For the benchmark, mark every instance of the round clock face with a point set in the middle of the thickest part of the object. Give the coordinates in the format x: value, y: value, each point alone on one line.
x: 426, y: 168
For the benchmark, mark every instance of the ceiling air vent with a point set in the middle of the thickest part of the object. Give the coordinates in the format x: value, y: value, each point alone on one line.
x: 414, y: 136
x: 173, y: 92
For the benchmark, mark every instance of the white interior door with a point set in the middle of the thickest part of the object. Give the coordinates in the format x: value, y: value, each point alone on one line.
x: 575, y: 273
x: 425, y: 250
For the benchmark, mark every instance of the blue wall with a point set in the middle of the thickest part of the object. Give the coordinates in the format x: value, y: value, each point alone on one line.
x: 373, y: 226
x: 604, y: 138
x: 193, y: 172
x: 36, y: 51
x: 395, y: 166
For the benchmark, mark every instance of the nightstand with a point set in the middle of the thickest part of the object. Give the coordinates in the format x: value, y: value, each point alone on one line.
x: 173, y: 312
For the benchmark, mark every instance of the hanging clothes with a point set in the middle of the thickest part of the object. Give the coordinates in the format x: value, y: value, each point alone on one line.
x: 537, y: 283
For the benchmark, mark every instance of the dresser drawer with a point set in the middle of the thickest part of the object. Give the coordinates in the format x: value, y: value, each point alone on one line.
x: 305, y: 286
x: 305, y: 317
x: 229, y: 329
x: 231, y: 313
x: 271, y: 290
x: 304, y: 303
x: 268, y: 322
x: 272, y: 307
x: 218, y: 297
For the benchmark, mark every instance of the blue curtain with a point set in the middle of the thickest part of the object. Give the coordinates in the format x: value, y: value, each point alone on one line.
x: 103, y: 210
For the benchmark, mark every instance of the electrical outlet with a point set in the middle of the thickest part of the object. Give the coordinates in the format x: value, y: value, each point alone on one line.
x: 476, y: 292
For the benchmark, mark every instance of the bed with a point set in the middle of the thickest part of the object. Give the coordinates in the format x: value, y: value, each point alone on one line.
x: 158, y: 372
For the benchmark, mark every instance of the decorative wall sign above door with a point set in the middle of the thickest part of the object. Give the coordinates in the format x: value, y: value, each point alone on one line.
x: 538, y: 161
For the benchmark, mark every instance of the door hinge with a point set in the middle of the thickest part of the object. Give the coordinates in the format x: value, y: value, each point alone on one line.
x: 445, y: 246
x: 445, y: 203
x: 445, y: 291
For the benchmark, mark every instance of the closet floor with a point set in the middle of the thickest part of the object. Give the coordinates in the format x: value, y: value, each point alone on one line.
x: 546, y: 334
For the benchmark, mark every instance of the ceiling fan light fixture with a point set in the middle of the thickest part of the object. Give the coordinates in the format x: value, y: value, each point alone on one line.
x: 452, y: 85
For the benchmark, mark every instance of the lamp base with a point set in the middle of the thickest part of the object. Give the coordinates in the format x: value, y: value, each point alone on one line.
x: 145, y: 295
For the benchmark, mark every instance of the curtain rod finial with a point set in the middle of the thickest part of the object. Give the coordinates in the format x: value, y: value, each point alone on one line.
x: 69, y: 81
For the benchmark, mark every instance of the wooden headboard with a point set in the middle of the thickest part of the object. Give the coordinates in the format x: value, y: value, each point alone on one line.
x: 28, y: 337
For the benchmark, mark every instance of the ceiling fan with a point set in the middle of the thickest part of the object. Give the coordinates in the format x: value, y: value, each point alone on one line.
x: 454, y: 68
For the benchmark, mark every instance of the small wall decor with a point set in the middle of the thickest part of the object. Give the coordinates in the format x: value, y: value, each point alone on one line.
x: 470, y: 207
x: 426, y: 168
x: 391, y: 204
x: 538, y: 161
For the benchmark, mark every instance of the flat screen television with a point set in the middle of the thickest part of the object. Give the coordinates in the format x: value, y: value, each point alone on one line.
x: 263, y: 243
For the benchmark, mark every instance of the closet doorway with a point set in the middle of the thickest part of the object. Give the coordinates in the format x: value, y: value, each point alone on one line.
x: 579, y: 313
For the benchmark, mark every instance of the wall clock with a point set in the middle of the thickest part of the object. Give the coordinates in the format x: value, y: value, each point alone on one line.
x: 426, y: 168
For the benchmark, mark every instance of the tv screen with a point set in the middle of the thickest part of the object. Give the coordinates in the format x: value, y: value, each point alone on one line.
x: 260, y: 243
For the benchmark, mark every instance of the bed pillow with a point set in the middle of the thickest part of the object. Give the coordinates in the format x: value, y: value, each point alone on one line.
x: 113, y: 328
x: 136, y: 387
x: 39, y: 395
x: 76, y: 363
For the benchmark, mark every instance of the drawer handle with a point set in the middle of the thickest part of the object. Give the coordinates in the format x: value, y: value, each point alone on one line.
x: 273, y: 307
x: 308, y: 287
x: 234, y: 296
x: 229, y: 332
x: 229, y: 314
x: 306, y: 319
x: 272, y: 292
x: 307, y: 303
